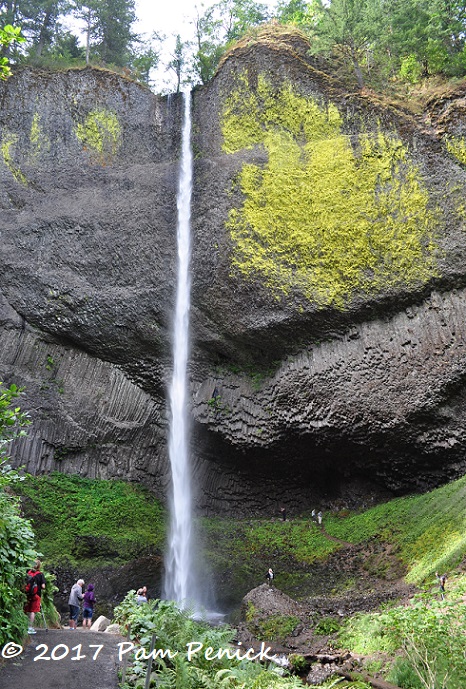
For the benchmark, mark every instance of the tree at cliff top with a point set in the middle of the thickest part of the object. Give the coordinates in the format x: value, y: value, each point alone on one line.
x: 425, y: 38
x: 110, y: 26
x: 178, y: 60
x: 382, y: 39
x: 221, y: 24
x: 350, y: 27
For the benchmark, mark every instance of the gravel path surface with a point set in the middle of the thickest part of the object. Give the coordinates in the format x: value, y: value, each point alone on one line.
x: 63, y: 659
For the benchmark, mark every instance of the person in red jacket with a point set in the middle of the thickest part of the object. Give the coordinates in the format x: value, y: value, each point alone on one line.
x: 34, y: 587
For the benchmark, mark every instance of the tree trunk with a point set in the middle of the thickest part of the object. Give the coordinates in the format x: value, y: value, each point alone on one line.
x: 43, y: 34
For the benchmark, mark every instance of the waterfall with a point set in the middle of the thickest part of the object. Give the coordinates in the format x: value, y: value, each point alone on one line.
x: 179, y: 584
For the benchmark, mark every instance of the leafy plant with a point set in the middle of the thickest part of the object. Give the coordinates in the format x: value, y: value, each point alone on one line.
x: 327, y: 625
x: 428, y: 638
x: 17, y: 547
x: 276, y: 627
x: 125, y: 521
x: 190, y: 654
x: 8, y: 35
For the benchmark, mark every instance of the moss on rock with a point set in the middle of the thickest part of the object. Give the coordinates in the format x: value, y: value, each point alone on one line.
x: 329, y: 215
x: 100, y: 134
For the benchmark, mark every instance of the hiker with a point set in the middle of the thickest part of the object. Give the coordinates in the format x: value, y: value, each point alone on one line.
x: 35, y: 584
x: 76, y: 596
x: 269, y: 576
x: 88, y: 606
x: 442, y: 580
x: 319, y: 518
x: 313, y: 514
x: 283, y: 513
x: 141, y: 595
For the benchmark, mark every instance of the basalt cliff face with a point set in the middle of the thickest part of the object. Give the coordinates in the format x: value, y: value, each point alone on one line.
x: 328, y: 281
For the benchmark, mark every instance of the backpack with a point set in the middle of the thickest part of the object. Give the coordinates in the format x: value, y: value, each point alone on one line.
x: 32, y: 586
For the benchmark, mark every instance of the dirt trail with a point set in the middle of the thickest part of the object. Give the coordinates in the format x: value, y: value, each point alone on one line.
x: 333, y: 538
x: 63, y: 659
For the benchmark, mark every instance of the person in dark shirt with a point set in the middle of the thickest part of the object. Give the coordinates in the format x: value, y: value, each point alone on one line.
x: 88, y: 606
x: 34, y: 597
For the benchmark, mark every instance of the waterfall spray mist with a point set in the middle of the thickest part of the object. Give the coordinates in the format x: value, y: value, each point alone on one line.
x: 179, y: 585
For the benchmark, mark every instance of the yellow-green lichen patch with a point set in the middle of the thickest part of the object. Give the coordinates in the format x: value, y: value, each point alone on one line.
x: 100, y: 134
x: 38, y: 139
x: 325, y: 216
x: 9, y: 141
x: 457, y: 147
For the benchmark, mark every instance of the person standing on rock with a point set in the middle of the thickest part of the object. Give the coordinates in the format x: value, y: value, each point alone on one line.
x: 34, y: 586
x: 283, y: 513
x: 88, y: 606
x: 319, y: 518
x: 269, y: 576
x: 74, y: 601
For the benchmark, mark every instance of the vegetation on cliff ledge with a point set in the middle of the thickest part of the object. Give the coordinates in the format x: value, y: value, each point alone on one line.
x: 328, y: 215
x: 79, y: 520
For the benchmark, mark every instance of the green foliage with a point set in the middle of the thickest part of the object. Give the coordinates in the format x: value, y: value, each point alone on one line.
x: 324, y: 216
x: 16, y: 537
x: 298, y: 662
x: 175, y: 630
x: 403, y: 674
x: 100, y: 134
x: 276, y: 627
x: 16, y: 553
x: 79, y: 519
x: 298, y: 12
x: 218, y: 27
x: 350, y: 26
x: 8, y: 36
x: 326, y: 626
x: 250, y: 613
x: 429, y: 530
x: 429, y: 637
x: 12, y: 422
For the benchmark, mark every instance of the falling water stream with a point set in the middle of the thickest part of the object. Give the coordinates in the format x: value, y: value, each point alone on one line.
x: 179, y: 585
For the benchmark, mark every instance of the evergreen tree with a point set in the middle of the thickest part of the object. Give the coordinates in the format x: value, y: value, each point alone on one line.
x: 113, y: 29
x: 429, y: 37
x: 41, y: 22
x: 350, y: 26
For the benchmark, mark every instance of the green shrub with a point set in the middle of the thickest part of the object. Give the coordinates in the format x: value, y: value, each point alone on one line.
x: 16, y: 554
x: 403, y: 675
x: 428, y: 637
x: 175, y: 630
x: 276, y: 627
x: 327, y: 625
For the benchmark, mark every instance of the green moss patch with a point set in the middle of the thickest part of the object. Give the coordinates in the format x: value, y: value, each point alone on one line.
x: 100, y: 134
x: 456, y: 145
x: 78, y: 519
x: 329, y: 214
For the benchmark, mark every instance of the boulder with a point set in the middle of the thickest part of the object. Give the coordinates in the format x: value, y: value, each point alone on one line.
x: 101, y: 624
